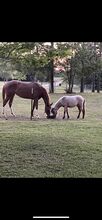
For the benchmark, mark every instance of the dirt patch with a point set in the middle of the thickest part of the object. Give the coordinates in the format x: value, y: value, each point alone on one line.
x: 20, y: 118
x: 27, y: 118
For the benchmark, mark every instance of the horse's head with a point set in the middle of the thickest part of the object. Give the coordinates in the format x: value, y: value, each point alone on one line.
x: 48, y: 109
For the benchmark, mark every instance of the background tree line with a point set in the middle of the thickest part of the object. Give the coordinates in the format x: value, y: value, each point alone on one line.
x: 79, y: 62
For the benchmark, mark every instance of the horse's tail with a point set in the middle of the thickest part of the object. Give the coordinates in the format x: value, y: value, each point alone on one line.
x: 3, y: 92
x: 84, y: 108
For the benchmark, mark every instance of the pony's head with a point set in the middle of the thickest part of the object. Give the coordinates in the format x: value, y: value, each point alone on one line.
x: 54, y: 112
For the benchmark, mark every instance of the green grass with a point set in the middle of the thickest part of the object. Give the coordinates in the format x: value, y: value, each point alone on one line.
x: 52, y: 148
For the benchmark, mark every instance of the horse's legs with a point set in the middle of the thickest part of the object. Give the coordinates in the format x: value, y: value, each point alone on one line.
x: 4, y: 103
x: 34, y: 104
x: 10, y: 104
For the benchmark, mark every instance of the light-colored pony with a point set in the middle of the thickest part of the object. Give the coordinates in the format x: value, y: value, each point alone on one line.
x: 69, y: 102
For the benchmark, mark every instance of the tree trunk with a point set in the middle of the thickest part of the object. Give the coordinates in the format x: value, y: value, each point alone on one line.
x: 70, y: 82
x: 82, y: 84
x: 52, y: 72
x: 69, y: 88
x: 93, y: 82
x: 70, y: 79
x: 98, y: 83
x: 52, y: 77
x: 98, y: 79
x: 82, y: 78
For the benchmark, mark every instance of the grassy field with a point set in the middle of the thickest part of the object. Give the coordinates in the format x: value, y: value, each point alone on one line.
x: 51, y: 148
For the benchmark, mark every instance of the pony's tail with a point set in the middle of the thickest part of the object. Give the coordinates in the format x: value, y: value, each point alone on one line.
x: 3, y: 93
x: 84, y: 108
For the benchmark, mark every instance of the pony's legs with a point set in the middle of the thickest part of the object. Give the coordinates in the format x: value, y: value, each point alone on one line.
x: 65, y: 111
x: 83, y: 110
x: 10, y: 104
x: 80, y: 109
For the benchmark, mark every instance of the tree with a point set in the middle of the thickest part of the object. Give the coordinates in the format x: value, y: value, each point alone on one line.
x: 52, y: 70
x: 64, y: 51
x: 34, y: 59
x: 27, y: 58
x: 37, y: 60
x: 6, y: 70
x: 87, y: 63
x: 30, y: 59
x: 99, y: 72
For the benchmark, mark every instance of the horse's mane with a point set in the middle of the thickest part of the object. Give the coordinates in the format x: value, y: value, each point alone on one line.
x: 46, y: 96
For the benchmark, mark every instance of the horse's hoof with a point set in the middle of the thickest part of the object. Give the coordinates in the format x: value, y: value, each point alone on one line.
x: 51, y: 117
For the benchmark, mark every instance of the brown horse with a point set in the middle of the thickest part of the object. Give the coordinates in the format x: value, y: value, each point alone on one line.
x: 27, y: 90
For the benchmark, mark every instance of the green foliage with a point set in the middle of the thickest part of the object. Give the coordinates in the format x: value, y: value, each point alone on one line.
x: 86, y: 61
x: 32, y: 59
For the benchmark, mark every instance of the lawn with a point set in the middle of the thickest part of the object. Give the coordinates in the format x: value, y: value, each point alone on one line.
x: 51, y: 148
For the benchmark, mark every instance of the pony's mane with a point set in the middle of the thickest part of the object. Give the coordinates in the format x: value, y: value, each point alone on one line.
x: 57, y: 102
